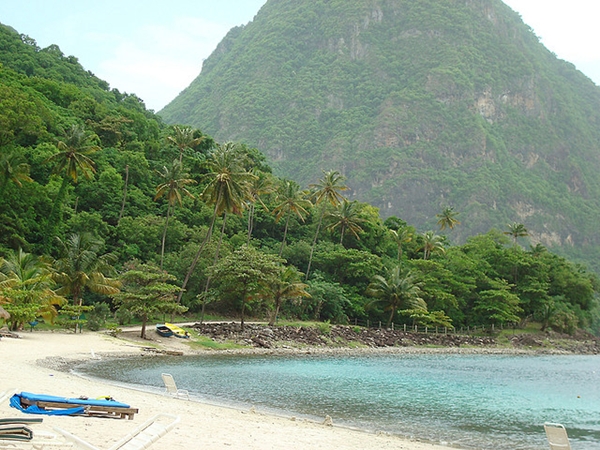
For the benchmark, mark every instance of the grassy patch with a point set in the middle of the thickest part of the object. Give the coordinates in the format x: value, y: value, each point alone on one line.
x: 206, y: 343
x: 324, y: 328
x: 297, y: 324
x: 531, y: 328
x: 355, y: 344
x: 503, y: 341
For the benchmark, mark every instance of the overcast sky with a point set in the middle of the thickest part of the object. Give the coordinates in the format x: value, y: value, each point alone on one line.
x: 155, y: 49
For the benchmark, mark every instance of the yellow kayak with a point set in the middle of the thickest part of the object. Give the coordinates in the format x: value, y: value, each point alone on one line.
x: 178, y: 331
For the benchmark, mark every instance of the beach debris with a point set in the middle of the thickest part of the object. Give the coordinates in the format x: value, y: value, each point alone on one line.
x: 262, y: 343
x: 328, y: 422
x: 163, y: 352
x: 5, y: 332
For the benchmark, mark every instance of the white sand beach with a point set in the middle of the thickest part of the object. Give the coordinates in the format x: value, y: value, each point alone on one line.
x: 202, y: 426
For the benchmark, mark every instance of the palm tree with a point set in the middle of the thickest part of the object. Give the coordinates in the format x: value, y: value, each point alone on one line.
x: 26, y: 282
x: 401, y: 236
x: 287, y: 287
x: 537, y: 249
x: 516, y: 230
x: 398, y: 291
x: 71, y: 159
x: 229, y: 183
x: 326, y: 190
x: 13, y: 167
x: 175, y: 180
x: 432, y: 243
x: 447, y: 218
x: 81, y: 268
x: 183, y: 138
x: 290, y: 200
x: 261, y: 185
x: 346, y: 218
x: 227, y: 190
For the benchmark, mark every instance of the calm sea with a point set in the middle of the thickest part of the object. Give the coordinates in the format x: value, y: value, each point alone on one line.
x: 470, y: 401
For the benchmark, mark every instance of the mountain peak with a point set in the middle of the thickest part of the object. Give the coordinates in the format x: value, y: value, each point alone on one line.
x: 420, y: 103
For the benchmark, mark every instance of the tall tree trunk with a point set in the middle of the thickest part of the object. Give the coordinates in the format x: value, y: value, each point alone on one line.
x: 391, y: 317
x: 197, y: 256
x: 250, y: 221
x: 243, y: 310
x: 124, y: 194
x: 275, y: 313
x: 55, y: 216
x: 164, y: 237
x: 312, y: 249
x: 215, y: 259
x: 287, y: 221
x: 144, y: 321
x: 78, y: 301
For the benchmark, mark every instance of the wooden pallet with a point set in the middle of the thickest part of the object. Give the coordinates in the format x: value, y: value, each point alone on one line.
x: 115, y: 412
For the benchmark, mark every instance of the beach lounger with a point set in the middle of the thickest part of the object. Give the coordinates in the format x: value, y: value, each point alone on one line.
x: 140, y: 438
x: 15, y: 433
x: 52, y: 405
x: 16, y: 429
x: 41, y: 441
x: 171, y: 387
x: 7, y: 394
x: 557, y: 436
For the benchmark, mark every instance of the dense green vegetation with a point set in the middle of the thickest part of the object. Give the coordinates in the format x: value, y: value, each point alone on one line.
x: 106, y: 211
x: 421, y: 104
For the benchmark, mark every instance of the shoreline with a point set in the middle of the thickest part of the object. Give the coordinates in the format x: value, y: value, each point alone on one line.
x: 36, y: 362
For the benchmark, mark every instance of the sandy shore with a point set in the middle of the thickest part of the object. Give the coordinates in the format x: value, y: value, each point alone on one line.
x: 202, y: 426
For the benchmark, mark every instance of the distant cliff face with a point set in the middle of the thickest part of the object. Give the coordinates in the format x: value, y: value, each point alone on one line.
x: 421, y: 104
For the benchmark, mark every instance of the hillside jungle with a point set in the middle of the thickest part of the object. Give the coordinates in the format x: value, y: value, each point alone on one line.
x: 421, y: 104
x: 106, y: 212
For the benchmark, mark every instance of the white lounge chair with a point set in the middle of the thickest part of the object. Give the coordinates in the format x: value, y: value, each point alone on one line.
x: 140, y: 438
x: 15, y: 433
x: 171, y: 387
x: 6, y: 394
x: 41, y: 441
x: 557, y: 436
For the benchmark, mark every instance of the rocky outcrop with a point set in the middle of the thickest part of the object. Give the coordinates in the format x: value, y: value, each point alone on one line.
x: 343, y: 336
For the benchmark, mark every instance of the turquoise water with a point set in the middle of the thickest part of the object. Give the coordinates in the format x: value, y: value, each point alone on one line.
x: 470, y: 401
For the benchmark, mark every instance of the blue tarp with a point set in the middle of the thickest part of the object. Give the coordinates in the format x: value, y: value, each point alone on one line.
x: 15, y: 402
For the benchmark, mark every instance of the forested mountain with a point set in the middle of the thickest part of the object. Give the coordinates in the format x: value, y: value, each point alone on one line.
x: 421, y: 104
x: 105, y: 210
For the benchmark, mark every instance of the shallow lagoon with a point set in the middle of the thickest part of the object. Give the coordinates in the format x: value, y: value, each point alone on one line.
x: 471, y: 401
